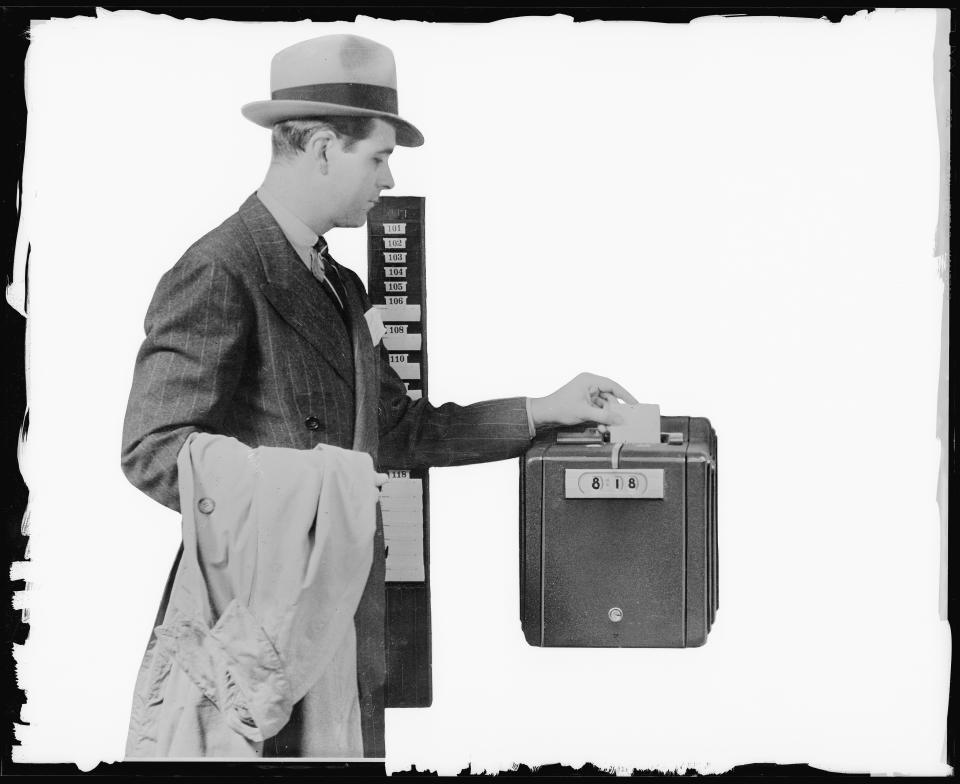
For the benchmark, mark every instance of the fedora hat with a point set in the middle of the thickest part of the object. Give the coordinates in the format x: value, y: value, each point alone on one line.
x: 333, y: 76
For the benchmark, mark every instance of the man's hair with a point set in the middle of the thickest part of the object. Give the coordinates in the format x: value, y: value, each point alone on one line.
x: 291, y: 136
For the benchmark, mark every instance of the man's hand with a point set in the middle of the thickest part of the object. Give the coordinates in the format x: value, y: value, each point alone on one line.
x: 580, y: 400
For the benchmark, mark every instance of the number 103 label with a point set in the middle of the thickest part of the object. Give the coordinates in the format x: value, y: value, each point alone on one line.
x: 614, y: 483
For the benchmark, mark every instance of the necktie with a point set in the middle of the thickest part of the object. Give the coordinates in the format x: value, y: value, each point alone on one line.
x: 324, y: 269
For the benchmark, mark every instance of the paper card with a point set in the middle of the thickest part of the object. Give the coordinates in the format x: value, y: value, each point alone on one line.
x: 402, y: 532
x: 409, y: 370
x: 402, y: 516
x: 404, y: 560
x: 401, y: 502
x: 411, y: 574
x: 403, y: 487
x: 640, y: 425
x: 409, y: 342
x: 375, y: 325
x: 406, y: 547
x: 399, y: 312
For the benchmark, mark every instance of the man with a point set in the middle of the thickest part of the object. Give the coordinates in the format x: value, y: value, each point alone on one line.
x: 257, y: 333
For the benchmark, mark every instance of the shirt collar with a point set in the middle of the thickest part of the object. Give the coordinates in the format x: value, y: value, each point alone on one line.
x: 301, y: 236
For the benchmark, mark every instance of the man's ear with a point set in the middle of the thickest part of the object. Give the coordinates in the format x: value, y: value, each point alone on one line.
x: 319, y: 147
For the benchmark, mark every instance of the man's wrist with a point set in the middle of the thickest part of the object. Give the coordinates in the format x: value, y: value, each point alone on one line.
x: 530, y: 420
x: 538, y: 412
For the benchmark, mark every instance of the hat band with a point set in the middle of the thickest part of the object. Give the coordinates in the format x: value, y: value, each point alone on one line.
x: 359, y: 96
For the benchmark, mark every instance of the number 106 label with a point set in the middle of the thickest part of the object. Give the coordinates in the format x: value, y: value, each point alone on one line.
x: 614, y: 483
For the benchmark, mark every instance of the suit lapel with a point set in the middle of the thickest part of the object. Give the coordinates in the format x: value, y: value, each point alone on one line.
x: 365, y: 368
x: 295, y: 293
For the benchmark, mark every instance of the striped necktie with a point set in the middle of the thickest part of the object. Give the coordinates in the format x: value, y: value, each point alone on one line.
x: 324, y: 269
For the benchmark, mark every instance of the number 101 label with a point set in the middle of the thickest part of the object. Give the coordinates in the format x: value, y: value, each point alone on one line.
x: 614, y: 483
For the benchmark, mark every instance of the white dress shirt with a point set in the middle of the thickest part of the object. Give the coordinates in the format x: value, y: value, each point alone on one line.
x: 298, y: 233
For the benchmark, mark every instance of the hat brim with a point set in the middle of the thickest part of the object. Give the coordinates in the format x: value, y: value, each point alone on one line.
x: 268, y: 113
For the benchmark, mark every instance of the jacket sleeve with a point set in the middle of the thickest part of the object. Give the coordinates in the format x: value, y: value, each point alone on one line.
x: 186, y: 372
x: 416, y: 434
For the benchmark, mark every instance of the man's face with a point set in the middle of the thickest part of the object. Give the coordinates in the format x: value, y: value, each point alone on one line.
x: 358, y: 174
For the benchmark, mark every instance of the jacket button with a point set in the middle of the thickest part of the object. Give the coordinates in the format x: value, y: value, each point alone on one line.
x: 312, y: 423
x: 206, y: 505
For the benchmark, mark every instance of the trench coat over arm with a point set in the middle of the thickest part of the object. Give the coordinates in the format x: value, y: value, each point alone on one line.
x: 242, y: 340
x: 277, y: 544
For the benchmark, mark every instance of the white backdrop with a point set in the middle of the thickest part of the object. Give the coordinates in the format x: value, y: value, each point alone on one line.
x: 733, y: 218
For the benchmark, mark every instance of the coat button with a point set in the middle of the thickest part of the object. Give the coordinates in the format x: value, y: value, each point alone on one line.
x: 206, y: 505
x: 312, y: 423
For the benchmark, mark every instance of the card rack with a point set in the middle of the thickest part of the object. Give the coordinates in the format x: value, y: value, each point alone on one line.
x: 396, y: 284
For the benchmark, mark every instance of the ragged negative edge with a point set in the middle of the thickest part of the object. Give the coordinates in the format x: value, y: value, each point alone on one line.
x: 941, y: 250
x: 17, y: 299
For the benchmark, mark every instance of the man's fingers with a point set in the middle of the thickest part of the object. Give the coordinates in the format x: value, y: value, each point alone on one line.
x: 610, y: 386
x: 380, y: 479
x: 603, y: 416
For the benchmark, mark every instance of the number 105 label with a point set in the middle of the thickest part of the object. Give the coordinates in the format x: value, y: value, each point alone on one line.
x: 613, y: 483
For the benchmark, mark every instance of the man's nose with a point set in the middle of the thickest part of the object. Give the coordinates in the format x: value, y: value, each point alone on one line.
x: 386, y: 181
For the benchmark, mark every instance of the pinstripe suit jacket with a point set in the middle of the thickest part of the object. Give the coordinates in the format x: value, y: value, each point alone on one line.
x: 242, y: 340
